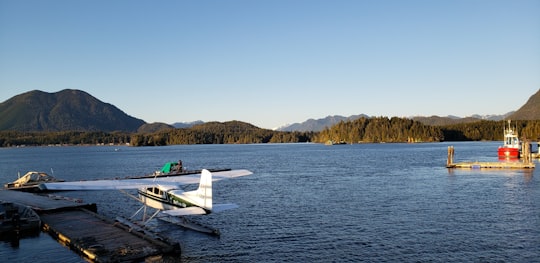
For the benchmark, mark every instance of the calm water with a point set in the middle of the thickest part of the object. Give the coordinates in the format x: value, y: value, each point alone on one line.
x: 310, y: 202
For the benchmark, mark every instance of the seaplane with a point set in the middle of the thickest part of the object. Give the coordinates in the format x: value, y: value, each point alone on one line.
x: 163, y: 193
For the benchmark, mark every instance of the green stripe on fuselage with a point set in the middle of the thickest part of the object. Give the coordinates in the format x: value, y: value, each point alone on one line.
x: 177, y: 201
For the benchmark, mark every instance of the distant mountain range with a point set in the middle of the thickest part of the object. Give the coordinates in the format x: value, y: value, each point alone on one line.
x: 66, y: 110
x: 319, y: 124
x: 329, y: 121
x: 529, y: 111
x: 75, y: 110
x: 186, y: 124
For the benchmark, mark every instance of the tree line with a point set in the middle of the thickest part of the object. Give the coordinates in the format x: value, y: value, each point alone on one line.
x: 19, y: 138
x: 233, y: 132
x: 380, y: 129
x: 491, y: 130
x: 363, y: 130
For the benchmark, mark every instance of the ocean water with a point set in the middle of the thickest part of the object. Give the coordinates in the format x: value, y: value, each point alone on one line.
x: 311, y: 202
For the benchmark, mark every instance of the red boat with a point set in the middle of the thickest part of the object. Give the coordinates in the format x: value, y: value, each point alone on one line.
x: 512, y: 145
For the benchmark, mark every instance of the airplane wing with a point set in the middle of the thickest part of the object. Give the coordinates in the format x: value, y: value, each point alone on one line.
x: 98, y: 184
x: 138, y: 183
x: 195, y: 178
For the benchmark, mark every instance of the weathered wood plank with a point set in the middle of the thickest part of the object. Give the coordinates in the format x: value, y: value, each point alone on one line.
x: 41, y: 203
x: 100, y: 240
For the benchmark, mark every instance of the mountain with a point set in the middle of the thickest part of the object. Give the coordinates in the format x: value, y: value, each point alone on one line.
x: 449, y: 120
x: 154, y: 127
x: 529, y: 111
x: 319, y: 124
x: 441, y: 121
x: 492, y: 117
x: 186, y: 124
x: 65, y: 110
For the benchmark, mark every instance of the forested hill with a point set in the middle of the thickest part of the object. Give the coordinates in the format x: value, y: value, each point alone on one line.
x: 231, y: 132
x: 66, y: 110
x: 381, y: 129
x: 529, y: 111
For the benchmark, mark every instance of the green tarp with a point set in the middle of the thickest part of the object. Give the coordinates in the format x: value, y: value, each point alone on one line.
x: 168, y: 167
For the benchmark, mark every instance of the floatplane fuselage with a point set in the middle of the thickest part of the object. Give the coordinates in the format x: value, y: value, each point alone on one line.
x: 168, y: 199
x: 175, y: 202
x: 161, y: 199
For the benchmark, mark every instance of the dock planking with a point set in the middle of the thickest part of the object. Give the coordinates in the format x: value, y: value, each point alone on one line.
x: 100, y: 239
x: 90, y: 234
x: 42, y: 203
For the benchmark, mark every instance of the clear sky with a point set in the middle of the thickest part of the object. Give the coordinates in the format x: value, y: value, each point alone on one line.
x: 275, y: 62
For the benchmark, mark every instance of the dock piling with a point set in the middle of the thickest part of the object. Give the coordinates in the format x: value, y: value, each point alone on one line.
x: 450, y: 159
x: 526, y: 151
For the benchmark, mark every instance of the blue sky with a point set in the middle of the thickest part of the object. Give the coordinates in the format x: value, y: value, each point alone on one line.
x: 275, y: 62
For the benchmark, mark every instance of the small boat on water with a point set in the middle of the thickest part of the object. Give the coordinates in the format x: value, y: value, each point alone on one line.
x: 330, y: 142
x: 170, y: 168
x: 30, y: 181
x: 18, y: 220
x: 175, y: 169
x: 511, y: 147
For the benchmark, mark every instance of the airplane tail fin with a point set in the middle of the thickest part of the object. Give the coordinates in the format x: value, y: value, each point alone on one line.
x: 203, y: 195
x: 202, y: 198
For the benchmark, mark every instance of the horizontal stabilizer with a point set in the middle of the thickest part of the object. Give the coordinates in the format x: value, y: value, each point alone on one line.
x: 222, y: 207
x: 216, y: 176
x: 193, y: 210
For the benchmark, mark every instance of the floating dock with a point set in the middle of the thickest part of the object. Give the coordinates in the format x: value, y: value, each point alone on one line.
x: 492, y: 165
x: 526, y: 163
x: 79, y: 227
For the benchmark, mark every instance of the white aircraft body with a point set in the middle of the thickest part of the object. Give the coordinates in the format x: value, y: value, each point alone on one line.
x: 163, y: 193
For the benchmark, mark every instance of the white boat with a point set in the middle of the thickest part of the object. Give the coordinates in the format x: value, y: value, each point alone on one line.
x: 30, y: 181
x: 511, y: 147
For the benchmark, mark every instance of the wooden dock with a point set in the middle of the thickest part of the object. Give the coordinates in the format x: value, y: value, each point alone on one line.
x: 77, y: 226
x: 503, y: 164
x: 42, y: 203
x: 492, y: 165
